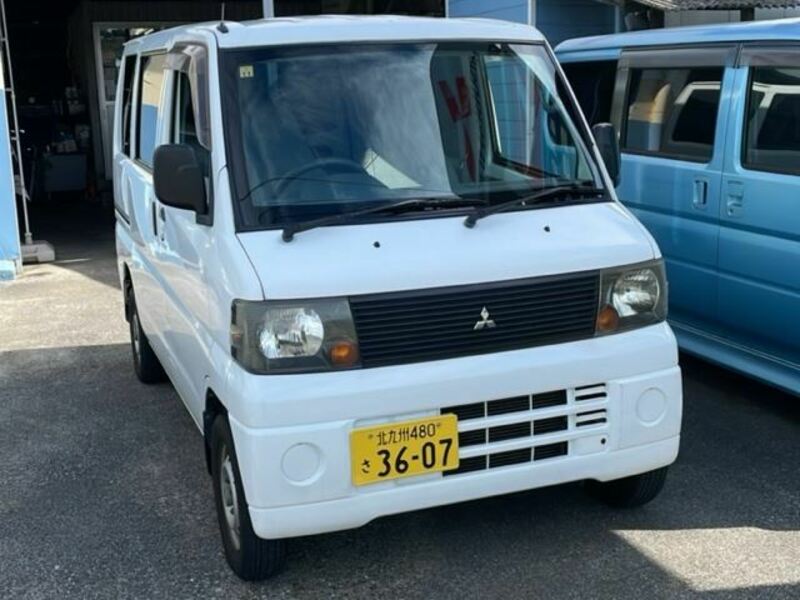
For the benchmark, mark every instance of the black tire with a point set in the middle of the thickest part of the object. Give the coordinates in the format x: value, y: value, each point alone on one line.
x: 629, y: 492
x: 249, y: 556
x: 145, y: 362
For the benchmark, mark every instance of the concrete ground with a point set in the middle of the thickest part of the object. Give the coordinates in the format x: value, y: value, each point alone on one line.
x: 104, y: 493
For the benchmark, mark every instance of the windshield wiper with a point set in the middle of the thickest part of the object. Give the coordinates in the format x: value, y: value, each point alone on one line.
x: 547, y: 194
x: 400, y: 206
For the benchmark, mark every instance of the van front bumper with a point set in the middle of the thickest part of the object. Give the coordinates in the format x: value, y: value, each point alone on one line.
x: 292, y: 431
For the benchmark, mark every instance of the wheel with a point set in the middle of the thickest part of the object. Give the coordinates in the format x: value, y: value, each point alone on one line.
x: 249, y: 556
x: 145, y: 362
x: 629, y: 492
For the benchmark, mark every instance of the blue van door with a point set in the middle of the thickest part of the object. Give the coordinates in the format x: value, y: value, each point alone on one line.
x: 672, y: 108
x: 759, y: 248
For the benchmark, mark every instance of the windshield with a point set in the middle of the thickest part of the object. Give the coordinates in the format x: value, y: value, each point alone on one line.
x: 325, y: 130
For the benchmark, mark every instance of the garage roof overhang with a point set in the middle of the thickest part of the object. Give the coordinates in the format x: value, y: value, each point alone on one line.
x: 673, y: 5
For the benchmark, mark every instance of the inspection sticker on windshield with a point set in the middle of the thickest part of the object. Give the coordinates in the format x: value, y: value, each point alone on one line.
x: 395, y: 450
x: 246, y: 71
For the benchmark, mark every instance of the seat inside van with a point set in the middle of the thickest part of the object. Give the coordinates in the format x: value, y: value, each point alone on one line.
x: 673, y: 112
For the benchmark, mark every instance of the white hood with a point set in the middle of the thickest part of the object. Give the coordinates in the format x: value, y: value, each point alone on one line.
x: 413, y: 254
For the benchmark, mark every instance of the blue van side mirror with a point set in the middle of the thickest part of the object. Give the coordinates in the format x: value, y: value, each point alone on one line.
x: 178, y: 177
x: 605, y: 134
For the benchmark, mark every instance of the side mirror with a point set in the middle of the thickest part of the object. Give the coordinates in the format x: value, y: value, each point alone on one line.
x: 178, y: 178
x: 605, y: 134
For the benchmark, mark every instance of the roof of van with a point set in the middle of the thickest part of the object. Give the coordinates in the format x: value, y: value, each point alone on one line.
x: 343, y: 28
x: 781, y: 29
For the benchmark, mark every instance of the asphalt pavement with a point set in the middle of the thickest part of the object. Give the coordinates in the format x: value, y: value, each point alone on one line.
x: 104, y: 492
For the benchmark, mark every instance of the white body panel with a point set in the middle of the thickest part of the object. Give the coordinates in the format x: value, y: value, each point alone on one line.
x: 442, y: 252
x: 186, y: 276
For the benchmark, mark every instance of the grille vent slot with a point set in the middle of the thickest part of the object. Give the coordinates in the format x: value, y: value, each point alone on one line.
x: 550, y: 451
x: 590, y: 392
x: 550, y: 425
x: 592, y: 417
x: 514, y: 457
x: 510, y: 432
x: 508, y: 405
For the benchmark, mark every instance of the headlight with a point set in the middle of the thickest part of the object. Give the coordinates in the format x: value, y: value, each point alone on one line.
x: 632, y: 297
x: 292, y: 336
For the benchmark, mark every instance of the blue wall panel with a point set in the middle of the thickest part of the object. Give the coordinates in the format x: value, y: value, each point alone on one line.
x: 9, y: 234
x: 510, y: 10
x: 561, y: 20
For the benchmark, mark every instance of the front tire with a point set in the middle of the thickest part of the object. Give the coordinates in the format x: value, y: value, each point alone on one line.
x: 249, y: 556
x: 145, y: 362
x: 629, y: 492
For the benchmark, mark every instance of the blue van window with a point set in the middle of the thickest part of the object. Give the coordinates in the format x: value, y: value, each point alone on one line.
x: 772, y: 139
x: 593, y: 84
x: 673, y: 112
x: 150, y: 84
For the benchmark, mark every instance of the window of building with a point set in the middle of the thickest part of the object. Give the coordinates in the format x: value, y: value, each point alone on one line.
x: 772, y: 136
x: 127, y: 102
x: 150, y: 88
x: 673, y: 112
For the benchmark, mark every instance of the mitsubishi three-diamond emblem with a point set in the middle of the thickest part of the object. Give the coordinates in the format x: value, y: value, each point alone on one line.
x: 484, y: 322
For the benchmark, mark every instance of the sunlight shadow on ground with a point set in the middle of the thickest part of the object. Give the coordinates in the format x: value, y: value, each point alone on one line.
x: 692, y: 556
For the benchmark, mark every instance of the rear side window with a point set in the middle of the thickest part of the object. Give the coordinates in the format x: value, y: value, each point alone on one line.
x: 127, y: 102
x: 772, y: 136
x: 673, y: 112
x: 150, y: 87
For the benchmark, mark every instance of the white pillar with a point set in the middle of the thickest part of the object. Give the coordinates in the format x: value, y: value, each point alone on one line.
x: 269, y: 8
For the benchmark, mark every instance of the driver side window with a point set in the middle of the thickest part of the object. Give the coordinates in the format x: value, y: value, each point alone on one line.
x: 184, y: 127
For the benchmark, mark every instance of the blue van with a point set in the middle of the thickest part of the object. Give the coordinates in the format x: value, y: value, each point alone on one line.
x: 709, y: 126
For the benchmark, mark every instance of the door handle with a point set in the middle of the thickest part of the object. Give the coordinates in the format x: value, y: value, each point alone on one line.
x: 734, y: 203
x: 700, y: 197
x: 162, y: 214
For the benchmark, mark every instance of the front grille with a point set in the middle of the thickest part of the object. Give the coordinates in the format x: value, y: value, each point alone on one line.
x: 550, y: 451
x: 537, y: 426
x: 442, y: 323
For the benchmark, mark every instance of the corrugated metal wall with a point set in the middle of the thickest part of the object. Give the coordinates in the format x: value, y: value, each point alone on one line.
x: 561, y: 20
x: 510, y: 10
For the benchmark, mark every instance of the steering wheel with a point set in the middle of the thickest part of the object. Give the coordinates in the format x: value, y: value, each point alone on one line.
x: 319, y: 163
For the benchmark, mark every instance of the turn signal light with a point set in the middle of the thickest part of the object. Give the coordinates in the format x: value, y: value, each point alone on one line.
x: 343, y: 354
x: 607, y: 319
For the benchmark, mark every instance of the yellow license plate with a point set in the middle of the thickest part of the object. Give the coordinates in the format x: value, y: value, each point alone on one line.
x: 404, y: 449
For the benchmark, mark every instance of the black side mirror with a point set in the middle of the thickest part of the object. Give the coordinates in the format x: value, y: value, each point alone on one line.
x: 605, y: 134
x: 178, y: 178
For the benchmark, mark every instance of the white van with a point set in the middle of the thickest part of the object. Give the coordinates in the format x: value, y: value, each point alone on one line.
x: 384, y: 267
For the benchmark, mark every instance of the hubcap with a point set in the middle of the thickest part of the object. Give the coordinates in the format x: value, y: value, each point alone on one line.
x: 135, y: 333
x: 229, y: 504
